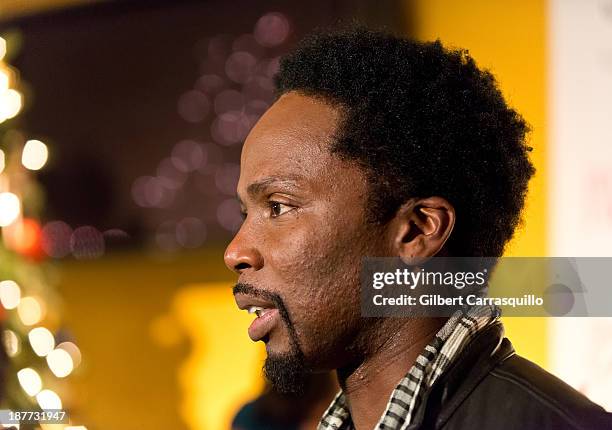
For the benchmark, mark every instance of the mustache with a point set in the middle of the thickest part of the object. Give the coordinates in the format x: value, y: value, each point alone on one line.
x: 250, y: 290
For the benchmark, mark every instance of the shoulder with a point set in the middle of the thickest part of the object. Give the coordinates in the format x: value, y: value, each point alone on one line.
x: 519, y: 394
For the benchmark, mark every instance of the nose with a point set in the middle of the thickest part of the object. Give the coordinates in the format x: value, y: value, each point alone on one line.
x: 240, y: 255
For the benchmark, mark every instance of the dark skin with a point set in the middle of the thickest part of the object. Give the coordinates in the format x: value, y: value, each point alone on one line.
x: 303, y: 238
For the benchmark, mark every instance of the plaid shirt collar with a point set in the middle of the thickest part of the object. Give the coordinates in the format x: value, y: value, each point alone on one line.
x: 447, y: 344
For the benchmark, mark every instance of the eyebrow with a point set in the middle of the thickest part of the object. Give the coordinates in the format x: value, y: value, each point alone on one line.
x: 258, y: 187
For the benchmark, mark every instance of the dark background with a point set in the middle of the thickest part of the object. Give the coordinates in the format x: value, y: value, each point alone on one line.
x: 104, y: 82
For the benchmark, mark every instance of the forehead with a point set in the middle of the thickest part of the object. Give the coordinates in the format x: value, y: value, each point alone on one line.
x: 291, y: 140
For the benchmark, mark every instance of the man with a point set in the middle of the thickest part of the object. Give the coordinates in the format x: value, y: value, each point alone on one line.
x: 387, y: 147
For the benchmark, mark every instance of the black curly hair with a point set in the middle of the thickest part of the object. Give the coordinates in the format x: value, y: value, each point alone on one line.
x: 421, y: 120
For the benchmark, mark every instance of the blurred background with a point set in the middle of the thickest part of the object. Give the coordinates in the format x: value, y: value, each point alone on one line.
x: 121, y: 125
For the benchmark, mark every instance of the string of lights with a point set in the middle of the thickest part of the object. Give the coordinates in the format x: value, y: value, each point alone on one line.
x: 38, y: 361
x: 234, y: 87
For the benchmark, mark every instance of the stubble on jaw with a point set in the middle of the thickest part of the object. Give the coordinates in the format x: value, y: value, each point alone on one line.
x: 287, y: 372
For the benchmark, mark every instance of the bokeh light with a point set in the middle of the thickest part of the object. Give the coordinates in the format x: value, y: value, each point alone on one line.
x: 219, y: 47
x: 2, y: 161
x: 193, y: 106
x: 188, y: 155
x: 115, y: 237
x: 48, y: 399
x: 149, y: 192
x: 228, y: 100
x: 5, y: 80
x: 87, y: 242
x: 30, y: 381
x: 170, y: 177
x: 10, y: 294
x: 248, y: 43
x: 210, y: 84
x: 256, y: 107
x: 240, y: 66
x: 10, y: 208
x: 273, y: 66
x: 60, y: 362
x: 190, y: 232
x: 157, y: 195
x: 229, y: 216
x: 2, y: 48
x: 139, y: 191
x: 30, y: 310
x: 10, y: 104
x: 259, y: 88
x: 231, y: 128
x: 41, y: 340
x: 165, y: 237
x: 28, y: 238
x: 226, y: 178
x: 272, y: 29
x: 73, y: 350
x: 56, y: 239
x: 34, y: 155
x: 11, y: 343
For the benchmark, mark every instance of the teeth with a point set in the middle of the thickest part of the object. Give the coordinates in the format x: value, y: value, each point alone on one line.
x: 255, y: 310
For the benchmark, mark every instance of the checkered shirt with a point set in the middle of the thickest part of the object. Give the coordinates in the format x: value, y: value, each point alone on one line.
x: 447, y: 344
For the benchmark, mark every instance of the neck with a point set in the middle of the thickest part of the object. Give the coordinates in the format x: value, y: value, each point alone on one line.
x: 369, y: 384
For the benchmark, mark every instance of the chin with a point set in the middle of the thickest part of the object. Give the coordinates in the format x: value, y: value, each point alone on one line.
x: 287, y: 372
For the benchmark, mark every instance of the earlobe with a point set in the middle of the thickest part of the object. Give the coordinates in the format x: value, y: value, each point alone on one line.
x: 424, y: 226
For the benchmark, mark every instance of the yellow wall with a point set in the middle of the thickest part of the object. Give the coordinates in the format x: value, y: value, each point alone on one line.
x: 222, y: 371
x: 509, y: 38
x: 163, y: 343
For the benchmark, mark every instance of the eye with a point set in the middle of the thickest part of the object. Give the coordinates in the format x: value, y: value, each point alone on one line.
x: 277, y: 209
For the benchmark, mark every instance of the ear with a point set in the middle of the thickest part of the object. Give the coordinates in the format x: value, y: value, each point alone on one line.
x: 422, y: 226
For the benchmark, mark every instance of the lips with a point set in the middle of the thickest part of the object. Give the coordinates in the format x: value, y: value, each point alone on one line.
x: 266, y: 315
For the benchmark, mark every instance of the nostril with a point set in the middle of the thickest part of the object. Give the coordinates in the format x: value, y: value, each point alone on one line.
x: 242, y: 266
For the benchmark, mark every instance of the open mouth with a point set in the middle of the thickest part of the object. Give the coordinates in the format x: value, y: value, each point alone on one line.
x: 266, y: 315
x: 257, y: 310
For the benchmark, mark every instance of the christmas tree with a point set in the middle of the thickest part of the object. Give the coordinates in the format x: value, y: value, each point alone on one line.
x: 36, y: 357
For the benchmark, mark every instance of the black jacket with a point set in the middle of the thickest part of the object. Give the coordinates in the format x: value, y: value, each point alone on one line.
x: 490, y: 387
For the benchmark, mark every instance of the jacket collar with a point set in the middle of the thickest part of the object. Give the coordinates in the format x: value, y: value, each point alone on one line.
x: 477, y: 359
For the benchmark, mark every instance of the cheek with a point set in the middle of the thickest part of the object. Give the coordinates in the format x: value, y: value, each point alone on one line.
x: 317, y: 272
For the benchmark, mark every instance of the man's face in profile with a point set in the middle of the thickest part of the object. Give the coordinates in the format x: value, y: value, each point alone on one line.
x: 299, y: 250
